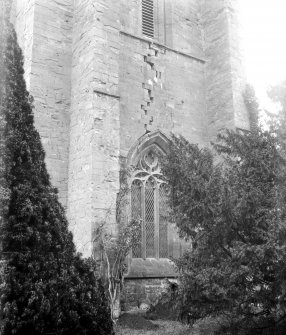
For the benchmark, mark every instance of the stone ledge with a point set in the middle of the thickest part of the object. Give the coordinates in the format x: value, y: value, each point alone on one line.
x: 151, y: 268
x: 149, y: 40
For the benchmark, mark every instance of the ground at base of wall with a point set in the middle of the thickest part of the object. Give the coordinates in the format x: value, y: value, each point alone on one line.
x: 137, y: 324
x: 160, y: 327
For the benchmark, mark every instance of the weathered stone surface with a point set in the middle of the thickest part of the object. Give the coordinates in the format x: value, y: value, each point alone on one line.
x: 99, y: 85
x: 142, y: 292
x: 45, y: 33
x: 224, y: 72
x: 167, y: 92
x: 94, y: 119
x: 151, y: 268
x: 23, y: 19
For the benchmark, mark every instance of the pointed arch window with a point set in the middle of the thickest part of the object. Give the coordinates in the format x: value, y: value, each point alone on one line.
x: 149, y: 202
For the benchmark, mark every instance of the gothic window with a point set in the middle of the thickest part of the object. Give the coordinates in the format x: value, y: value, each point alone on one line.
x: 149, y: 202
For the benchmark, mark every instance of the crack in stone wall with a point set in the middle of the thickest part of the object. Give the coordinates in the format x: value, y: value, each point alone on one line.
x: 152, y: 78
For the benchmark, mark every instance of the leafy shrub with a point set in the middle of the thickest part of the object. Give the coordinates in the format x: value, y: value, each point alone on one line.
x: 165, y: 308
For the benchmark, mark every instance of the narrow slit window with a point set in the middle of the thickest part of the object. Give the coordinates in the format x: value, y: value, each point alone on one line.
x: 148, y: 18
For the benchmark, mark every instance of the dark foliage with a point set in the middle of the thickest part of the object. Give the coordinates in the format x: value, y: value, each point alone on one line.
x: 49, y: 288
x: 165, y: 308
x: 234, y: 211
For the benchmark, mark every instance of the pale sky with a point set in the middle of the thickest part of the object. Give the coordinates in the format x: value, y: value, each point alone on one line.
x: 263, y: 24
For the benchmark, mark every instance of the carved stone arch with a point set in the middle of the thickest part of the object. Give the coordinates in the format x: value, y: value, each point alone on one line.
x: 155, y: 139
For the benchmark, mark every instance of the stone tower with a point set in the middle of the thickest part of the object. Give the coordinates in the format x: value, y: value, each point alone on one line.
x: 111, y: 80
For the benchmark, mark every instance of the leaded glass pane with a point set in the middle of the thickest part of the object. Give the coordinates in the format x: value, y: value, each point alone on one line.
x: 163, y: 221
x: 150, y: 217
x: 136, y: 213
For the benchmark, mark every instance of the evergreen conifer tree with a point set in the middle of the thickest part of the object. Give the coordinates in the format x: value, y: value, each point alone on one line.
x: 48, y: 288
x: 233, y: 208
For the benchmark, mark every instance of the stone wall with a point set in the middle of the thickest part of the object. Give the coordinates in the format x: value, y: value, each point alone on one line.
x: 99, y: 85
x: 122, y: 86
x: 162, y: 85
x: 23, y: 19
x: 186, y: 27
x: 224, y: 71
x: 44, y: 31
x: 94, y: 125
x: 159, y: 89
x: 237, y: 66
x: 142, y: 291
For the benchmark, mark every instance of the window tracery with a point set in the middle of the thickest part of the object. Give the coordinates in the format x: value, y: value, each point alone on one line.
x: 149, y: 202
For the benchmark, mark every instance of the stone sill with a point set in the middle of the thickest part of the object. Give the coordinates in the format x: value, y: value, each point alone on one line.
x: 151, y: 268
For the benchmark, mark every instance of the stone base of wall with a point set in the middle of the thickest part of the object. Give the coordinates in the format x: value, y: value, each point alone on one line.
x: 142, y: 292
